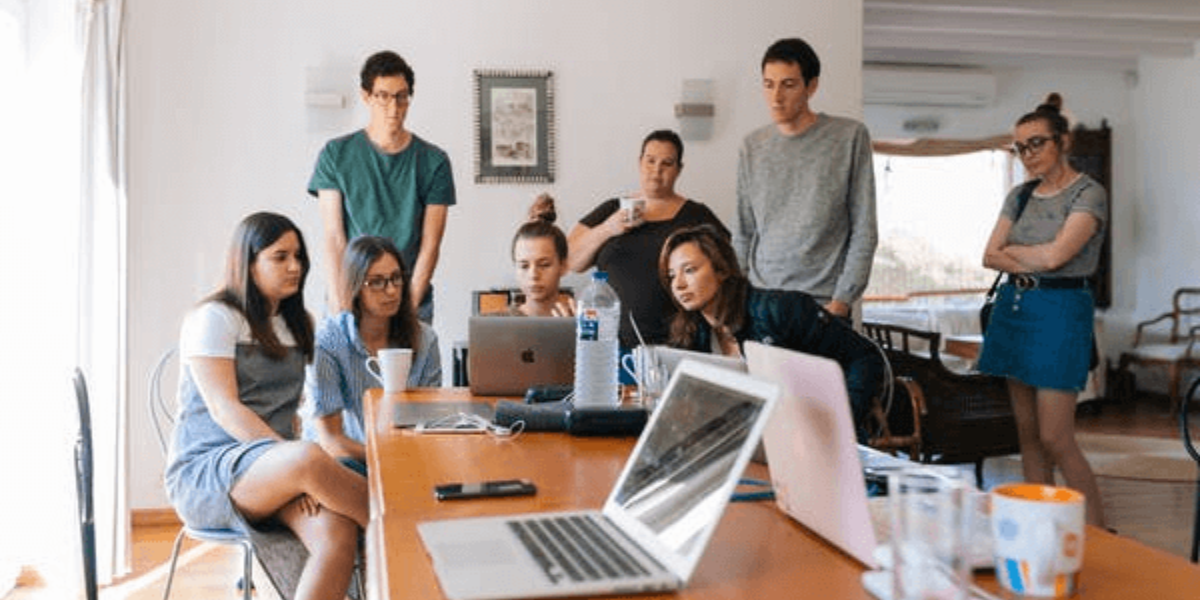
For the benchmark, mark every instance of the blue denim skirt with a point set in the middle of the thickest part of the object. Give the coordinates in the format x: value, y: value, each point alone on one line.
x: 1041, y: 337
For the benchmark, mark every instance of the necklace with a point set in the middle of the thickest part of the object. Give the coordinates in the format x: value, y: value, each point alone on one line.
x: 1060, y: 187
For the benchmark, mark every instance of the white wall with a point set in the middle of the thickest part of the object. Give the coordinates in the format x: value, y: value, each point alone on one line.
x: 218, y: 125
x: 1166, y: 220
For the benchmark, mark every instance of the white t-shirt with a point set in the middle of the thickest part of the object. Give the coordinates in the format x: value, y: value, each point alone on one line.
x: 215, y: 329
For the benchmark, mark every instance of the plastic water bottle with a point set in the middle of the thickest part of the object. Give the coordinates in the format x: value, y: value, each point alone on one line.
x: 598, y: 315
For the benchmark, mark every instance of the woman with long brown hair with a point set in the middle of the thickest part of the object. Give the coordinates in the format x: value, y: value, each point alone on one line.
x: 234, y: 462
x: 381, y: 315
x: 719, y: 311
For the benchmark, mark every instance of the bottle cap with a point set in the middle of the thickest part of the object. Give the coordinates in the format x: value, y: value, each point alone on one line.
x: 599, y: 276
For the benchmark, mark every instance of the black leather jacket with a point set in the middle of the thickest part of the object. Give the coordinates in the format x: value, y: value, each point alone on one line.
x: 795, y: 321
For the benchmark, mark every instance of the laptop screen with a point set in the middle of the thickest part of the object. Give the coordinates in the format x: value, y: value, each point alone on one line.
x: 676, y: 485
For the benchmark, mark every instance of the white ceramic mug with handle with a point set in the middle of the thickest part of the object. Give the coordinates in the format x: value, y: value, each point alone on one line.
x: 390, y: 366
x: 1039, y: 534
x: 634, y: 209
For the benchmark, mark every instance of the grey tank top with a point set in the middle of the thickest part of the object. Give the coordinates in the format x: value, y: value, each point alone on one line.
x: 271, y: 388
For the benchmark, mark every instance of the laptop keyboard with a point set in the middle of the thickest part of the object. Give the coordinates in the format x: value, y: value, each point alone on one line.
x: 577, y: 548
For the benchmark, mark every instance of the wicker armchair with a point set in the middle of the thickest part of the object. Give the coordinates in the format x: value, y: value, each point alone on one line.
x: 961, y: 418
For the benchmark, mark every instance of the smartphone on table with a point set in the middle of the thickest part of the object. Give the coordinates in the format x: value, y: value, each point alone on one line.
x: 484, y: 489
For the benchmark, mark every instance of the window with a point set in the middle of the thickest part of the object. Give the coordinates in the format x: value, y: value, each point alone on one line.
x: 935, y: 214
x: 39, y: 151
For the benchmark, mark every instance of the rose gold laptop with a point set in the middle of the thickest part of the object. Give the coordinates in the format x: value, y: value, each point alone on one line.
x: 811, y: 449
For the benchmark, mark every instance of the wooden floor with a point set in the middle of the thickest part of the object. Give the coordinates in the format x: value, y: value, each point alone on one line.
x: 1149, y: 415
x: 217, y: 568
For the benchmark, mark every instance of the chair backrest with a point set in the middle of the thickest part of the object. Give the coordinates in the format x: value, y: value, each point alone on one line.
x: 162, y: 410
x: 1185, y: 306
x: 497, y: 300
x: 904, y: 339
x: 968, y: 416
x: 83, y: 485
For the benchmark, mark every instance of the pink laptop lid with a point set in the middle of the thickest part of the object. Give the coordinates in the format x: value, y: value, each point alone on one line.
x: 811, y: 450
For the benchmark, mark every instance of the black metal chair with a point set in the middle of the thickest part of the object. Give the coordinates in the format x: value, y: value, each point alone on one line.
x: 1186, y: 434
x: 83, y: 485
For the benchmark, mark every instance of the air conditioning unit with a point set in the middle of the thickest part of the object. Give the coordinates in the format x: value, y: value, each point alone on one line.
x: 912, y: 86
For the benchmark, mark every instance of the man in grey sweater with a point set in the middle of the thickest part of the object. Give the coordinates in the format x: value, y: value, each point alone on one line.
x: 805, y: 190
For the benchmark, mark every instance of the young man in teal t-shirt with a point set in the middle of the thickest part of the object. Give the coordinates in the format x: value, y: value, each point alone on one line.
x: 384, y: 180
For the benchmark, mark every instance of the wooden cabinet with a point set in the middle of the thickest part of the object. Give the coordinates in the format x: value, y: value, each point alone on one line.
x: 1091, y: 153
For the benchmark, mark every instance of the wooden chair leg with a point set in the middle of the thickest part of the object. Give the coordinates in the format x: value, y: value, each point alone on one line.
x: 1173, y: 376
x: 1122, y: 376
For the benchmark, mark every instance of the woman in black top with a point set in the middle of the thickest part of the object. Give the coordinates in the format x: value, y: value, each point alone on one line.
x: 626, y: 246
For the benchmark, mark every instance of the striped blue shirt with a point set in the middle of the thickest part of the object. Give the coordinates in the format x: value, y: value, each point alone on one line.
x: 338, y: 376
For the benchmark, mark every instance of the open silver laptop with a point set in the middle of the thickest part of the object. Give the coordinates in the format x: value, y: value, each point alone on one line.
x: 411, y: 414
x: 508, y: 355
x: 671, y: 358
x: 657, y: 520
x: 811, y: 449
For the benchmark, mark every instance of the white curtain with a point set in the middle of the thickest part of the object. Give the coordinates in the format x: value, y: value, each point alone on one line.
x: 102, y: 273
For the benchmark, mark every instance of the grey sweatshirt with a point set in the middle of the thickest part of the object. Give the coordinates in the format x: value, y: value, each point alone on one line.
x: 806, y: 209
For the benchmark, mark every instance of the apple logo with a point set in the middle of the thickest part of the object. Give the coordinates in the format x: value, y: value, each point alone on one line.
x: 527, y: 355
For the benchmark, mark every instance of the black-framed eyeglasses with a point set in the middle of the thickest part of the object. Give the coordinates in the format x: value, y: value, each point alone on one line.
x: 1032, y: 145
x: 384, y: 98
x: 378, y: 284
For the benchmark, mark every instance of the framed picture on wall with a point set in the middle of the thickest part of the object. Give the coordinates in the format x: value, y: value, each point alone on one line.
x: 514, y: 126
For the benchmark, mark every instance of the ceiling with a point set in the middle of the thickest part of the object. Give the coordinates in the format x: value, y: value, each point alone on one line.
x: 1108, y: 34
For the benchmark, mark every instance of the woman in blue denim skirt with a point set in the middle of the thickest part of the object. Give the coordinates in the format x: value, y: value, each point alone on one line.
x: 1040, y: 334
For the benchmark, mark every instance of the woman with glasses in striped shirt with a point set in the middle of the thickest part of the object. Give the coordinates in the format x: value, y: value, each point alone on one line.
x: 381, y: 315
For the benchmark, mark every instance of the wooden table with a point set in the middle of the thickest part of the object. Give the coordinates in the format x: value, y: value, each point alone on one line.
x: 964, y: 346
x: 756, y: 552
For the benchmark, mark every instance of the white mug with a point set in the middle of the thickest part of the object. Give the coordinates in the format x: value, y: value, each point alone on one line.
x: 390, y: 366
x: 1038, y: 533
x: 634, y: 209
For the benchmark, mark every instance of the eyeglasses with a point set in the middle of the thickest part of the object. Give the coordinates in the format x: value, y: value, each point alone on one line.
x: 1031, y: 146
x: 378, y: 284
x: 384, y: 98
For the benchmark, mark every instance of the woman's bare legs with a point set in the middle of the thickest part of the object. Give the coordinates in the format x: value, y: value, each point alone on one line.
x: 332, y: 542
x: 278, y: 483
x: 1036, y: 465
x: 291, y: 469
x: 1056, y: 425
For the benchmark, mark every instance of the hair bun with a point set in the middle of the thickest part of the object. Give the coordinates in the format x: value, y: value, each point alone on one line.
x: 542, y: 209
x: 1052, y: 104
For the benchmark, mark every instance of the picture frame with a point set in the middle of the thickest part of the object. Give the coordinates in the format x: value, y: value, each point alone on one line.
x: 514, y: 126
